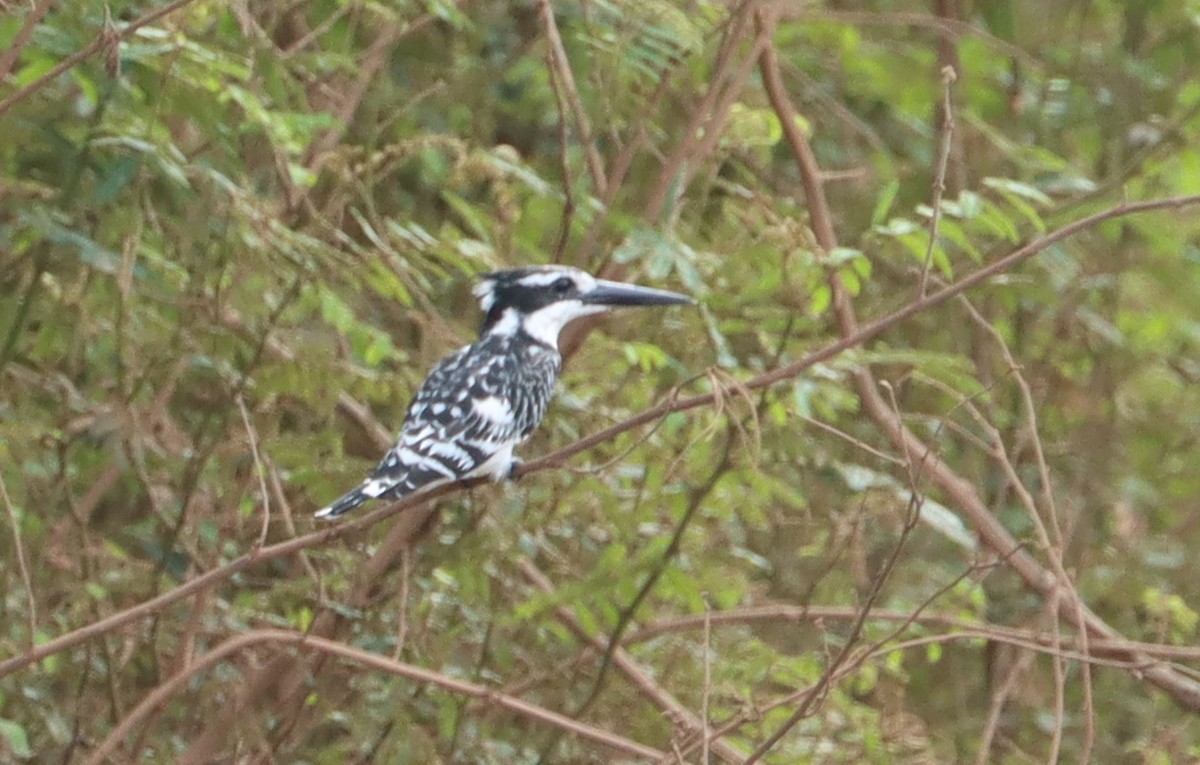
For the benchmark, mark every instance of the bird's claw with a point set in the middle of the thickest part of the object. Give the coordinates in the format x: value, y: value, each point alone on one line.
x: 514, y: 467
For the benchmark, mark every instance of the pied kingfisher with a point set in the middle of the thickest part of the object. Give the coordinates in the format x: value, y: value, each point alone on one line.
x: 481, y: 401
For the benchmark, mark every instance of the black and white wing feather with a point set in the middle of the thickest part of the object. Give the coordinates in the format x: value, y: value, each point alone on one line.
x: 475, y: 406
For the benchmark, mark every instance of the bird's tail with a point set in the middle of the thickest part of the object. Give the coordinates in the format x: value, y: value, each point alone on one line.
x: 345, y: 503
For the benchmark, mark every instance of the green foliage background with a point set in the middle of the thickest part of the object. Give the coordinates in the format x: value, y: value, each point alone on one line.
x: 284, y: 203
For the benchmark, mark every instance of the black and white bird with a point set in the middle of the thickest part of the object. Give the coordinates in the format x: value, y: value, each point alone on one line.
x: 486, y: 398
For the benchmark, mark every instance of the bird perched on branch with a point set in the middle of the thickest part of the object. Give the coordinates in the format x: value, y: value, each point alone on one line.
x: 486, y: 398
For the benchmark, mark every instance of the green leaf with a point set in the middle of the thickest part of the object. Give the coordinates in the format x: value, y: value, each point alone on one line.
x: 841, y: 255
x: 1016, y: 188
x: 18, y: 741
x: 88, y: 251
x: 820, y: 300
x: 747, y: 127
x: 335, y: 311
x: 884, y: 202
x: 933, y: 652
x: 898, y: 227
x: 943, y: 520
x: 933, y: 514
x: 970, y: 204
x: 1000, y: 18
x: 476, y: 220
x: 38, y: 66
x: 999, y: 223
x: 117, y: 176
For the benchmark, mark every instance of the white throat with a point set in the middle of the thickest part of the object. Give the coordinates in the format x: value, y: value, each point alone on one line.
x: 545, y: 324
x: 508, y: 325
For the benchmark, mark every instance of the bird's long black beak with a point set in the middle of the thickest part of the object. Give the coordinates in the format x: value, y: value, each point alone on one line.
x: 616, y: 293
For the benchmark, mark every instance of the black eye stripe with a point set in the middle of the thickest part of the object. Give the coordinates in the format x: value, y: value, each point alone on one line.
x: 564, y: 284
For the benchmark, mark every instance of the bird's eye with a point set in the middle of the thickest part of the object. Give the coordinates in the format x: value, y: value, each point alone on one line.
x: 564, y: 285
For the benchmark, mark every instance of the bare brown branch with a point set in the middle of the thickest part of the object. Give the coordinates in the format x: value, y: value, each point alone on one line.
x: 238, y: 643
x: 676, y: 712
x: 22, y: 566
x: 939, y: 173
x: 9, y: 57
x: 564, y: 82
x: 1185, y: 690
x: 260, y: 470
x: 994, y: 533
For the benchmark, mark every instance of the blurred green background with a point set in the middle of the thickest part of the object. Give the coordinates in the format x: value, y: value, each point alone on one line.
x: 283, y: 204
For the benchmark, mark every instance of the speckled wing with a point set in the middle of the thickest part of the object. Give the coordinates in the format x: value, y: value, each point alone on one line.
x: 475, y: 406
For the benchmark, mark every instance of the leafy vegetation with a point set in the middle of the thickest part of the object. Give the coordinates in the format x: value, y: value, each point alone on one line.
x: 876, y: 509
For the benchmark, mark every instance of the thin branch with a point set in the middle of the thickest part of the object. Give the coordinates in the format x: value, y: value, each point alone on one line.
x: 1060, y: 680
x: 352, y: 94
x: 21, y: 564
x: 372, y: 59
x: 1000, y: 694
x: 564, y: 158
x: 676, y: 712
x: 870, y: 330
x: 848, y: 662
x: 104, y: 40
x: 855, y: 442
x: 1185, y: 690
x: 1045, y: 647
x: 816, y: 614
x: 939, y: 174
x: 346, y: 404
x: 1189, y: 693
x: 260, y: 471
x: 708, y: 117
x: 904, y: 645
x: 1082, y: 637
x: 402, y: 599
x: 707, y: 691
x: 9, y: 57
x: 238, y: 643
x: 190, y: 587
x: 311, y: 35
x: 289, y: 523
x: 827, y: 678
x: 945, y: 28
x: 289, y: 675
x: 626, y: 614
x: 561, y: 76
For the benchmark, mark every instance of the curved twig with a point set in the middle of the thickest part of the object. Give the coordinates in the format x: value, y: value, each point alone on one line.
x: 555, y: 459
x: 238, y: 643
x: 1052, y: 582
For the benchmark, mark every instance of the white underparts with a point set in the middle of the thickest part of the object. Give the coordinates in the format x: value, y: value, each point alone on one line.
x: 498, y: 466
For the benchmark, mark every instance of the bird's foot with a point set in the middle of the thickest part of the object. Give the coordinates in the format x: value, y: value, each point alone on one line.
x: 513, y: 472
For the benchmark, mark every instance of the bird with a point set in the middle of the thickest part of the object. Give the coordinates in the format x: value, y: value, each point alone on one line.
x: 486, y: 398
